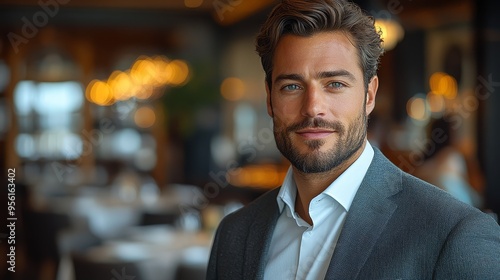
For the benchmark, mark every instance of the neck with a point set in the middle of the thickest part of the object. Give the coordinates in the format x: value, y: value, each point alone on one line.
x: 310, y: 185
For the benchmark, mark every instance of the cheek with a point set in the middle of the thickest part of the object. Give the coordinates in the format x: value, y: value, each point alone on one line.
x: 344, y: 107
x: 286, y: 109
x: 347, y: 112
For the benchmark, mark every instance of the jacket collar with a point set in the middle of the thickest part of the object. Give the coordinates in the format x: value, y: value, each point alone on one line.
x: 370, y: 211
x: 259, y: 238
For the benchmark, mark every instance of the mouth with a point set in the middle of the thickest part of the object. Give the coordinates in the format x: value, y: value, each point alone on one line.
x: 314, y: 133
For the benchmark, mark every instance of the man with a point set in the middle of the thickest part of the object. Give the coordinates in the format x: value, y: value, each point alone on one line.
x: 343, y: 211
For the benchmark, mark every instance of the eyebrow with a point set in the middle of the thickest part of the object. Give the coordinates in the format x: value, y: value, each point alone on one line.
x: 320, y: 75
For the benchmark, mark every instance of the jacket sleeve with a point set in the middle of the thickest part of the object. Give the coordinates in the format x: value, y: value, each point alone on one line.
x: 471, y: 250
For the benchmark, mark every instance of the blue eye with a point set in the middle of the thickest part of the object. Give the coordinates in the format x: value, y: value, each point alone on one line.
x: 336, y: 85
x: 291, y: 87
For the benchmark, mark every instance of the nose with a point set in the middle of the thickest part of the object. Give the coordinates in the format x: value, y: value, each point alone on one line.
x: 313, y: 103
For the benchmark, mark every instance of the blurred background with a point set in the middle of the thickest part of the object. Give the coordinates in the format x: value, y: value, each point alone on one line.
x: 135, y: 126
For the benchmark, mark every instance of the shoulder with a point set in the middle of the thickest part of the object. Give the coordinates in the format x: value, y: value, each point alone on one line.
x: 433, y: 201
x: 418, y: 201
x: 471, y: 249
x: 457, y: 227
x: 462, y: 232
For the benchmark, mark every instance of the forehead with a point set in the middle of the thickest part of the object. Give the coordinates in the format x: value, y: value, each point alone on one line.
x: 322, y: 51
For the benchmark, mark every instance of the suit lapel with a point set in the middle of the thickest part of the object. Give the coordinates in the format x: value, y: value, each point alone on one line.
x: 370, y: 211
x: 259, y: 239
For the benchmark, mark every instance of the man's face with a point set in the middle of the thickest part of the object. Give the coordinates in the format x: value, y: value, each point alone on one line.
x: 318, y: 100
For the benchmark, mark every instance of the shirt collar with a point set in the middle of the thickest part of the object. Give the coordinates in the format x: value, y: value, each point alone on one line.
x: 288, y: 192
x: 343, y: 189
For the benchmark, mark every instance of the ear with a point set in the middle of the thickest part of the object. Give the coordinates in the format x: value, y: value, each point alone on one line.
x: 269, y: 102
x: 371, y: 94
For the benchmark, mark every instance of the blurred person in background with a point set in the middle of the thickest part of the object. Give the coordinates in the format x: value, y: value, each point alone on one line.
x: 446, y: 167
x: 344, y: 211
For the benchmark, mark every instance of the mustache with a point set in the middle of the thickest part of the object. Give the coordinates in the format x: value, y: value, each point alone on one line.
x: 316, y: 123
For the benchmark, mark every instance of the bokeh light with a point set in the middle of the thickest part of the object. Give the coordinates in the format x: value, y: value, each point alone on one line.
x: 436, y: 102
x: 417, y: 109
x: 443, y: 84
x: 232, y: 89
x: 392, y: 32
x: 143, y: 80
x: 143, y: 72
x: 100, y: 93
x: 178, y: 71
x: 25, y: 145
x: 261, y: 176
x: 144, y: 92
x: 193, y: 3
x: 145, y: 117
x: 126, y: 142
x: 121, y: 84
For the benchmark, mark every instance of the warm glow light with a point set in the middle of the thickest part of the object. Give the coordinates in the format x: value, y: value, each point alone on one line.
x: 416, y: 108
x: 88, y: 91
x: 144, y: 92
x: 436, y: 102
x: 143, y: 71
x: 392, y: 32
x: 145, y: 117
x: 193, y: 3
x: 100, y: 93
x: 145, y: 79
x: 443, y: 84
x: 161, y: 65
x: 121, y: 84
x: 260, y: 176
x: 232, y: 89
x: 178, y: 72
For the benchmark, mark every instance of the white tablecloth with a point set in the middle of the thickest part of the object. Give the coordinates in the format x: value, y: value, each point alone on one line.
x: 157, y: 250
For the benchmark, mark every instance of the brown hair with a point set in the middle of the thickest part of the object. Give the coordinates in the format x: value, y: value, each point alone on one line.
x: 307, y: 17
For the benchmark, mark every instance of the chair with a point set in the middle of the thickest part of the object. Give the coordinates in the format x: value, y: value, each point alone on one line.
x: 153, y: 218
x: 194, y: 263
x: 191, y: 272
x: 41, y: 233
x: 75, y: 240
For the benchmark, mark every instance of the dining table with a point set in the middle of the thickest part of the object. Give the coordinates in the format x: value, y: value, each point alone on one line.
x: 158, y: 251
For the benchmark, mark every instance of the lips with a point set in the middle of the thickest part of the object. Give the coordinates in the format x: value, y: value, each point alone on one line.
x: 314, y: 133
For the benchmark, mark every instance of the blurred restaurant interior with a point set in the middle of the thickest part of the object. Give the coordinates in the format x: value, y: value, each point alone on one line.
x: 130, y: 128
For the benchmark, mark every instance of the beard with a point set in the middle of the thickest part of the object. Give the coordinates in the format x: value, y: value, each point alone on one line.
x: 350, y: 140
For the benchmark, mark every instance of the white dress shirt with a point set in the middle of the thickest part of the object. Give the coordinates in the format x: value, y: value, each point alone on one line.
x: 299, y: 250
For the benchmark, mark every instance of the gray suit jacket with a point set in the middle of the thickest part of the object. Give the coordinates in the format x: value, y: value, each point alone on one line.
x: 398, y: 227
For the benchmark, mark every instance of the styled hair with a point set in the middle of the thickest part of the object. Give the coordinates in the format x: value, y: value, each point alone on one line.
x: 308, y: 17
